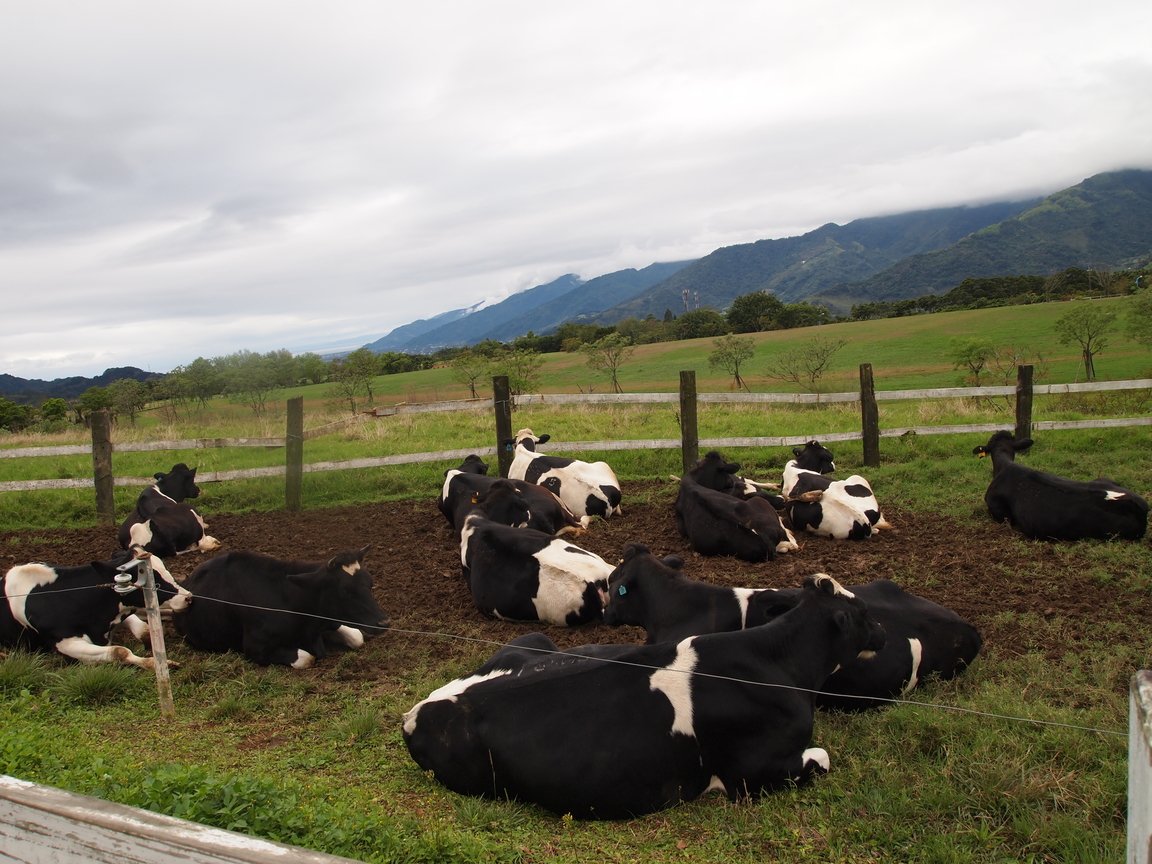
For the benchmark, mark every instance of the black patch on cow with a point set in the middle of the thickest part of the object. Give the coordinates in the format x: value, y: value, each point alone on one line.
x: 576, y: 549
x: 873, y: 516
x: 552, y: 484
x: 859, y: 531
x: 858, y: 490
x: 595, y: 506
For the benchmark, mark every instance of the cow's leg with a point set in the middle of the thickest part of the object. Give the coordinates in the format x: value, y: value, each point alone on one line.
x: 348, y: 636
x: 139, y: 628
x: 81, y: 648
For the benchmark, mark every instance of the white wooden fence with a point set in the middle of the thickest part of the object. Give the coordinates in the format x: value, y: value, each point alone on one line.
x: 1140, y: 769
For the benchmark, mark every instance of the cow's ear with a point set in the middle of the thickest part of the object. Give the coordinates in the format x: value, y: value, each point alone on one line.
x: 674, y: 561
x: 543, y: 438
x: 796, y: 451
x: 360, y: 555
x: 159, y: 475
x: 192, y: 474
x: 634, y: 549
x: 980, y: 451
x: 1022, y: 445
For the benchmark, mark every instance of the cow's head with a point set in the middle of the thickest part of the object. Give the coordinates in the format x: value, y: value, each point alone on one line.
x: 473, y: 464
x: 712, y: 472
x: 179, y: 483
x: 341, y: 590
x: 853, y: 627
x: 502, y: 502
x: 814, y: 456
x: 636, y: 582
x: 1003, y: 444
x: 528, y: 439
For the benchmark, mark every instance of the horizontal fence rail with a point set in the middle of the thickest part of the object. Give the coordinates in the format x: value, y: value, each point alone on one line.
x: 536, y: 399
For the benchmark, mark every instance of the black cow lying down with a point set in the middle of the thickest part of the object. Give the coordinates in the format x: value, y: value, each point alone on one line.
x: 606, y: 740
x: 162, y: 522
x: 73, y: 609
x: 464, y: 487
x: 1047, y: 507
x: 238, y: 597
x: 923, y: 638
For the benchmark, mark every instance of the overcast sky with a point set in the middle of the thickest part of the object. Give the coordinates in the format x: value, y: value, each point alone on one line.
x: 184, y: 180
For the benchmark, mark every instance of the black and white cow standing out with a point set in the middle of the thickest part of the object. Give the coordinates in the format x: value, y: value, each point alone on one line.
x: 720, y: 516
x: 663, y: 724
x: 73, y: 609
x: 923, y: 638
x: 280, y: 612
x: 463, y: 487
x: 836, y: 509
x: 521, y: 574
x: 1047, y: 507
x: 162, y: 522
x: 586, y: 488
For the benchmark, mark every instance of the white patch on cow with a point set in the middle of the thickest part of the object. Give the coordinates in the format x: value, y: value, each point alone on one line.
x: 136, y: 625
x: 140, y: 534
x: 564, y: 575
x: 675, y: 682
x: 743, y: 595
x: 792, y: 474
x: 842, y: 511
x: 838, y: 588
x: 715, y: 785
x: 18, y: 584
x: 304, y: 660
x: 1113, y: 496
x: 789, y: 544
x: 818, y: 755
x: 866, y: 654
x: 917, y: 658
x: 448, y: 482
x: 450, y: 692
x: 351, y: 569
x: 575, y: 481
x: 350, y: 636
x: 206, y: 544
x: 465, y: 535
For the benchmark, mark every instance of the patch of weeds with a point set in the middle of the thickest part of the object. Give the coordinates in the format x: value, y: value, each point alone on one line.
x: 23, y: 670
x: 359, y: 725
x: 481, y: 814
x: 231, y: 707
x: 99, y: 684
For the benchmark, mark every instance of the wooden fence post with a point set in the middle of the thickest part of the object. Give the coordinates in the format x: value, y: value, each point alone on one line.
x: 1140, y: 768
x: 294, y: 454
x: 502, y: 405
x: 1023, y: 402
x: 869, y: 417
x: 102, y: 467
x: 689, y: 432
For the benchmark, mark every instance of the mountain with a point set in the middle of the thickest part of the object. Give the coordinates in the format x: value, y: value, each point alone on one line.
x: 586, y: 301
x: 1104, y: 221
x: 471, y: 328
x: 33, y: 391
x: 406, y: 332
x: 797, y: 267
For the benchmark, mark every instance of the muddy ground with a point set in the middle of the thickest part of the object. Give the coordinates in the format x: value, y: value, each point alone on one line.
x: 977, y: 568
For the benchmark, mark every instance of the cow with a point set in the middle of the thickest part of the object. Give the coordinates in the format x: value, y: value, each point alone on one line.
x: 280, y: 612
x: 718, y: 522
x: 162, y: 523
x: 1046, y: 507
x: 586, y: 488
x: 521, y: 574
x: 74, y: 609
x: 463, y: 487
x: 923, y: 638
x: 812, y: 457
x: 615, y: 731
x: 836, y: 509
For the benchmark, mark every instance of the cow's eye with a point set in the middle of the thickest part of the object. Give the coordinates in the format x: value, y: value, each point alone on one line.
x: 622, y: 590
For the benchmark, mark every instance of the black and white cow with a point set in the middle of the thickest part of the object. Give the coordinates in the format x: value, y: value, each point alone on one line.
x: 521, y: 574
x: 280, y: 611
x: 73, y: 609
x: 836, y: 509
x: 660, y: 725
x: 813, y: 457
x: 718, y: 522
x: 162, y: 523
x: 1046, y: 507
x: 923, y: 638
x: 464, y: 486
x: 586, y: 488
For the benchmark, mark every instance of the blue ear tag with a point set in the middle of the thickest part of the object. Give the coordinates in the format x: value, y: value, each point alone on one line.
x: 623, y: 590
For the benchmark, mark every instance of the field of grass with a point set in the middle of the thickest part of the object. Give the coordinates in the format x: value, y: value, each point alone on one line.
x: 912, y: 783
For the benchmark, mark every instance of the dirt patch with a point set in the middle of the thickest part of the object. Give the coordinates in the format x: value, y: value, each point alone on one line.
x: 985, y: 572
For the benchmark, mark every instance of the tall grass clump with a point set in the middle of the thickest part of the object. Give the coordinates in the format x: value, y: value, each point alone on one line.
x: 23, y: 670
x: 98, y: 684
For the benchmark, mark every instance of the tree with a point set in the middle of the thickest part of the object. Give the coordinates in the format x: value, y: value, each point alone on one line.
x: 53, y: 410
x: 128, y: 397
x: 802, y: 315
x: 313, y: 367
x: 249, y: 378
x: 730, y: 352
x: 1087, y: 324
x: 970, y: 354
x: 752, y: 313
x: 1138, y: 324
x: 699, y: 323
x: 806, y: 362
x: 203, y: 380
x: 92, y: 399
x: 351, y: 377
x: 15, y: 417
x: 609, y: 354
x: 521, y: 367
x: 467, y: 369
